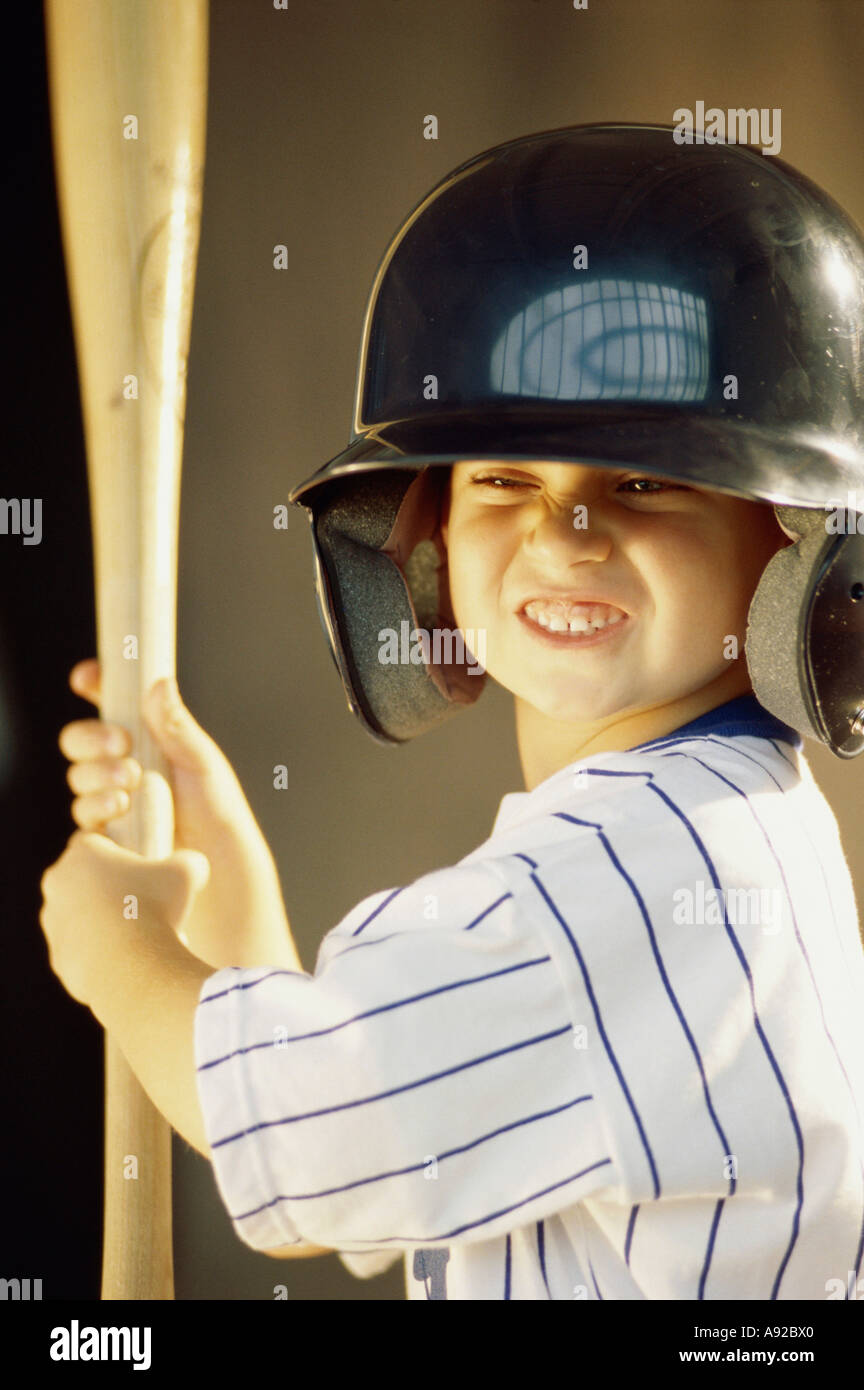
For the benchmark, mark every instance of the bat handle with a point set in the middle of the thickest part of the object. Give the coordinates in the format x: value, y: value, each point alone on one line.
x: 137, y: 1251
x: 137, y: 1268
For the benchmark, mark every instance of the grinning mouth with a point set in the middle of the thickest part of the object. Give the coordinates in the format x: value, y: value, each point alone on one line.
x: 564, y: 616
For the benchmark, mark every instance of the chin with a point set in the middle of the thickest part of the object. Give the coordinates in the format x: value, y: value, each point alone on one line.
x: 572, y: 707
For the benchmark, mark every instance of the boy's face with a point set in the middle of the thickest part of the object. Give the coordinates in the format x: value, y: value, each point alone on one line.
x: 679, y: 564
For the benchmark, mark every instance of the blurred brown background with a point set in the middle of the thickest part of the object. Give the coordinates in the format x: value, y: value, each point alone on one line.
x: 315, y: 140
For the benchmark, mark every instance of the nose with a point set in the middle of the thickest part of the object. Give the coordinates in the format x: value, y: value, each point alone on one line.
x: 567, y: 532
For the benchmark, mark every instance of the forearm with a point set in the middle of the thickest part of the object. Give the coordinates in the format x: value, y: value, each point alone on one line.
x: 241, y: 918
x: 151, y: 1015
x: 152, y: 984
x: 237, y: 945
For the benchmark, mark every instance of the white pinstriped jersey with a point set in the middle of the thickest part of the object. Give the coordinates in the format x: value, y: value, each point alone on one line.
x: 616, y: 1052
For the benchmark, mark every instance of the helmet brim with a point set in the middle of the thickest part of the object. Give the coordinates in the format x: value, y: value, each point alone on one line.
x: 798, y: 468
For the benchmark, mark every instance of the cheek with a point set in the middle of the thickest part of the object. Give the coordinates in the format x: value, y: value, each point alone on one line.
x: 690, y: 577
x: 702, y: 576
x: 476, y: 561
x: 469, y: 589
x: 752, y: 538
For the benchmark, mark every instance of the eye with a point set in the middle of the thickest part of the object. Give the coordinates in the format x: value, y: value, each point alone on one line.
x: 658, y: 483
x: 497, y: 481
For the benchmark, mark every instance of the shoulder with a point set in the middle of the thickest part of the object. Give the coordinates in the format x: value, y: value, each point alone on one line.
x: 611, y: 821
x: 607, y: 788
x: 646, y: 807
x: 710, y: 750
x: 699, y: 769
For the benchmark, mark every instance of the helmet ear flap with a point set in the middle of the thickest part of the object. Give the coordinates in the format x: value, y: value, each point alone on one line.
x: 803, y: 623
x: 384, y: 583
x: 416, y: 546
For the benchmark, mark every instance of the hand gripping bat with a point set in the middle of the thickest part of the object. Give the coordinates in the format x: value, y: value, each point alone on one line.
x: 128, y: 88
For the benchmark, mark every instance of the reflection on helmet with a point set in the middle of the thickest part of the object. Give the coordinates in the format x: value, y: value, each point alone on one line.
x: 625, y: 340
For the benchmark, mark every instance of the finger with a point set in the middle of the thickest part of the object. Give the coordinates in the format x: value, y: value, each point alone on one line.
x: 85, y: 739
x: 92, y: 812
x: 85, y: 678
x: 103, y: 775
x: 182, y: 739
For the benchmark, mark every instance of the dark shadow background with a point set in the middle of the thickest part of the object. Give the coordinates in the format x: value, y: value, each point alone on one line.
x: 315, y: 141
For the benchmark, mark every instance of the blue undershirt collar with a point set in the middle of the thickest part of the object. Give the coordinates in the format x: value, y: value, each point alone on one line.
x: 742, y: 716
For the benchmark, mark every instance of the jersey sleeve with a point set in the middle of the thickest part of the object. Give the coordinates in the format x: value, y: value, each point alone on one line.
x: 423, y: 1087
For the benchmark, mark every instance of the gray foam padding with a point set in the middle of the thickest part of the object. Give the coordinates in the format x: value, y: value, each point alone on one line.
x: 373, y: 590
x: 776, y: 621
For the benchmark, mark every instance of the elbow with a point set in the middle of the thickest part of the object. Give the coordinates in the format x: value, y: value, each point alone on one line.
x: 297, y: 1252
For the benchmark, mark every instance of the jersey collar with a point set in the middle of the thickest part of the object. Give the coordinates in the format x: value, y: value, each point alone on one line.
x: 741, y: 717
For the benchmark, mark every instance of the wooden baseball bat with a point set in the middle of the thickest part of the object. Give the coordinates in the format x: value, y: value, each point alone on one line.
x: 128, y: 93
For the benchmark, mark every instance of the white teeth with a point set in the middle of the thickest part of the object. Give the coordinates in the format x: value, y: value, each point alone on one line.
x: 556, y: 615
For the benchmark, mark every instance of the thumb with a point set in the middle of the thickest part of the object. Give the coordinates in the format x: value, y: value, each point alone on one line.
x: 177, y: 881
x: 179, y: 735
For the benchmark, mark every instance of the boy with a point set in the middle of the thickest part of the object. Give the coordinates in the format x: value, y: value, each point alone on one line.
x: 615, y: 1051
